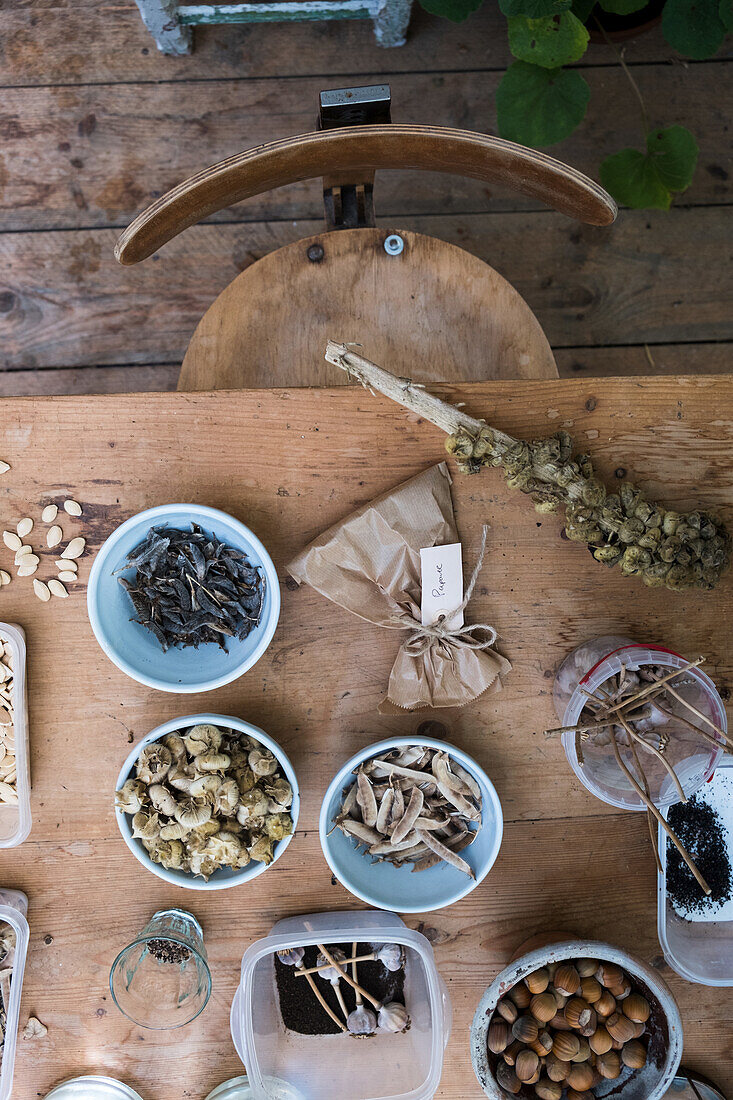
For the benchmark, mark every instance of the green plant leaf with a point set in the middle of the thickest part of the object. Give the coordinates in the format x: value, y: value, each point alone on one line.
x: 537, y: 106
x: 674, y: 152
x: 455, y: 10
x: 632, y: 179
x: 693, y: 27
x: 533, y: 9
x: 642, y: 180
x: 551, y: 41
x: 725, y: 13
x: 623, y: 7
x: 583, y: 8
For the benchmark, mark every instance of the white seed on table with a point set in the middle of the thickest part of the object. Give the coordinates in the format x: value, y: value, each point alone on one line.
x: 4, y: 577
x: 54, y: 536
x: 27, y: 559
x: 72, y: 507
x: 4, y: 467
x: 66, y: 563
x: 75, y: 549
x: 49, y: 513
x: 25, y: 549
x: 27, y: 570
x: 42, y: 591
x: 25, y: 526
x: 11, y: 540
x: 67, y: 575
x: 57, y: 588
x: 6, y: 718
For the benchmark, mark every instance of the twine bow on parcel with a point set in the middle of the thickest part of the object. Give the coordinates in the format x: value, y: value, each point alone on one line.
x: 369, y: 563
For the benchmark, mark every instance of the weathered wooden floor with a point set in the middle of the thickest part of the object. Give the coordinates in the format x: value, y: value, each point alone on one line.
x: 94, y: 124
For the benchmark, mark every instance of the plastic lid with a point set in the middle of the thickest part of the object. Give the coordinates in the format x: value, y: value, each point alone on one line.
x: 236, y: 1088
x: 93, y: 1087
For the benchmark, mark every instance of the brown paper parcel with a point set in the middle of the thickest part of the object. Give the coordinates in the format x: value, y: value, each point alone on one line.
x: 369, y: 563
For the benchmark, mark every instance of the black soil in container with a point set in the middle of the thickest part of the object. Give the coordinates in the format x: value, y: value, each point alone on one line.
x: 301, y: 1011
x: 701, y: 832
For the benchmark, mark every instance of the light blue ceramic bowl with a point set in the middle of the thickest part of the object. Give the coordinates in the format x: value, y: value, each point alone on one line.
x: 134, y: 649
x: 399, y: 888
x: 225, y: 877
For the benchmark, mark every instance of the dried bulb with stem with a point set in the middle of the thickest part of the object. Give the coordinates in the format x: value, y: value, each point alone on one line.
x: 393, y: 1017
x: 361, y: 1021
x: 292, y: 956
x: 391, y: 956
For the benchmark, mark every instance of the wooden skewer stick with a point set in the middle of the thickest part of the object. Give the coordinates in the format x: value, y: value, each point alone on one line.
x: 651, y: 823
x: 354, y: 960
x: 667, y: 828
x: 691, y: 725
x: 355, y: 985
x: 643, y: 692
x: 326, y: 1007
x: 703, y: 717
x: 326, y: 966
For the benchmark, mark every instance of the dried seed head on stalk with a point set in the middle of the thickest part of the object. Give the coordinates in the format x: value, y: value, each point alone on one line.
x: 663, y: 547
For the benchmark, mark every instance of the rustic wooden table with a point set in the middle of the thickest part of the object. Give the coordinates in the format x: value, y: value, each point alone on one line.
x: 289, y: 464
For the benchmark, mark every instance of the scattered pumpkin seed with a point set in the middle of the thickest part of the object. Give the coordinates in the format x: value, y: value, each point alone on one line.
x: 66, y: 563
x: 72, y: 507
x: 68, y: 575
x: 25, y: 526
x: 57, y: 588
x: 22, y: 553
x: 4, y: 577
x: 55, y: 535
x: 75, y: 549
x: 4, y: 467
x: 28, y: 559
x: 11, y: 540
x: 28, y: 569
x: 49, y: 513
x: 42, y: 591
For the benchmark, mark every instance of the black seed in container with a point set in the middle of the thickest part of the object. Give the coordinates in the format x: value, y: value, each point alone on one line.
x: 702, y: 833
x: 168, y: 951
x: 189, y: 588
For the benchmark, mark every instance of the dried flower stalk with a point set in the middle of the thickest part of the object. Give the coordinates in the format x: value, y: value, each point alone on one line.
x: 665, y: 548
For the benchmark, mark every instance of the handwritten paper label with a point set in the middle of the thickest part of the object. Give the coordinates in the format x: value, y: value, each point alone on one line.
x: 441, y: 569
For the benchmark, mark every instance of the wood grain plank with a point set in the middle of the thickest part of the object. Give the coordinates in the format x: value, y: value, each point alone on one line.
x: 572, y: 363
x: 50, y: 48
x: 107, y: 151
x: 652, y: 278
x: 566, y: 858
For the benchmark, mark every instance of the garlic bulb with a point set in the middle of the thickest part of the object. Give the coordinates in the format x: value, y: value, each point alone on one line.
x: 213, y: 761
x: 174, y: 743
x: 291, y: 956
x: 361, y: 1021
x: 129, y: 798
x: 262, y: 762
x: 262, y: 850
x: 203, y: 738
x: 390, y: 956
x: 192, y: 812
x: 204, y: 784
x: 145, y: 826
x: 393, y: 1017
x: 162, y: 799
x: 227, y: 798
x: 154, y: 763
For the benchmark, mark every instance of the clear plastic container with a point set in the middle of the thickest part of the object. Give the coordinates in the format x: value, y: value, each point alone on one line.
x: 13, y: 908
x: 283, y: 1065
x: 694, y: 760
x: 700, y: 951
x: 15, y: 821
x: 92, y: 1087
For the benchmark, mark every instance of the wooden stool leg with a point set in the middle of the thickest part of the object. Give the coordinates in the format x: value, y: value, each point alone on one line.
x: 161, y: 19
x: 390, y: 22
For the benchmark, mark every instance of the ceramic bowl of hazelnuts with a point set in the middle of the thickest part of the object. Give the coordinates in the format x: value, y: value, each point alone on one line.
x: 576, y: 1020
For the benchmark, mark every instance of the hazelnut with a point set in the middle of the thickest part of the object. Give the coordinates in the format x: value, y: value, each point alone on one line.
x: 581, y: 1077
x: 498, y: 1036
x: 542, y: 1044
x: 583, y: 1051
x: 578, y: 1012
x: 605, y: 1005
x: 520, y: 995
x: 609, y: 974
x: 543, y: 1007
x: 556, y: 1068
x: 620, y: 1028
x: 527, y: 1065
x: 590, y: 989
x: 609, y: 1065
x: 507, y: 1078
x: 600, y: 1041
x: 538, y: 981
x: 567, y: 979
x: 508, y: 1010
x: 573, y: 1094
x: 526, y: 1030
x: 586, y: 967
x: 566, y: 1045
x: 636, y: 1008
x: 547, y: 1089
x: 634, y: 1055
x: 511, y: 1052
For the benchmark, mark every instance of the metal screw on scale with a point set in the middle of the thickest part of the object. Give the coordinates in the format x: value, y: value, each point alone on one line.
x: 394, y: 244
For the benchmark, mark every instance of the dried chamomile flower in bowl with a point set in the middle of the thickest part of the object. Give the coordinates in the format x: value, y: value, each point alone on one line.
x: 207, y: 802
